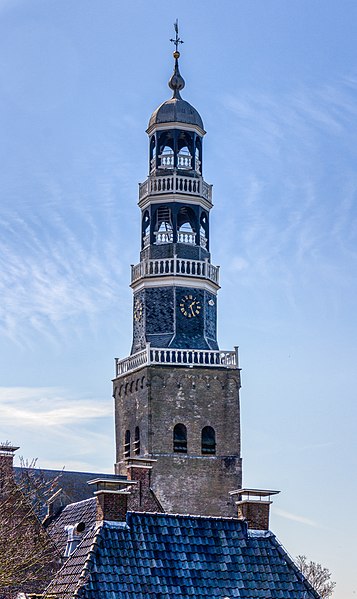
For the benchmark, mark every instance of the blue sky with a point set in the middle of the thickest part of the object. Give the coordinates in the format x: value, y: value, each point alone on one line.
x: 276, y: 85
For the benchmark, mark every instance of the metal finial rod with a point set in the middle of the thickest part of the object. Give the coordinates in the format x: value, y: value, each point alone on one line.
x: 177, y: 39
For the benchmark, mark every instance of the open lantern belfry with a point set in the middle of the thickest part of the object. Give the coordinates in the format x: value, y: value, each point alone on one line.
x: 177, y: 394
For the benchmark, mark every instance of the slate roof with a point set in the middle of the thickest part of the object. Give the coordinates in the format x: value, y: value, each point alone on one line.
x: 83, y: 511
x: 74, y: 484
x: 176, y: 110
x: 160, y: 556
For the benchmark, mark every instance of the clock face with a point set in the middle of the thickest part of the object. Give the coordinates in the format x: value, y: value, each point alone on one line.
x: 138, y: 310
x: 190, y: 306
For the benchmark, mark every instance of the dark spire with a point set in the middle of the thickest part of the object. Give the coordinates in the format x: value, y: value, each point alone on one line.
x: 176, y: 82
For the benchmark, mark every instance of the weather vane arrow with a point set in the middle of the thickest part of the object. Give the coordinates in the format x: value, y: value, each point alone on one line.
x: 177, y: 39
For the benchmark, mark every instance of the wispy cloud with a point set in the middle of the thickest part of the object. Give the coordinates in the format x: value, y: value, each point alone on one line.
x: 75, y: 427
x: 46, y: 406
x: 295, y: 188
x: 51, y: 272
x: 295, y: 517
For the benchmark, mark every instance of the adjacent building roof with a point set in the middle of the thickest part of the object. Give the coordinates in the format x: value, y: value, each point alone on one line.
x: 164, y: 556
x: 83, y: 511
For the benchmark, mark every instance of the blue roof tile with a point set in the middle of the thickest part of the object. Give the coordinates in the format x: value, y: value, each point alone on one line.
x: 162, y: 555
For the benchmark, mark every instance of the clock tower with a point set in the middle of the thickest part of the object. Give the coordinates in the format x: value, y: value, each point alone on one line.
x: 177, y: 394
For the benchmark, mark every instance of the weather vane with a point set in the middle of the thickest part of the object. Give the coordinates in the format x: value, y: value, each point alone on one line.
x: 177, y: 39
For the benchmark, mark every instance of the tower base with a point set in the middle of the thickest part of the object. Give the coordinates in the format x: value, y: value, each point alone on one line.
x: 189, y: 478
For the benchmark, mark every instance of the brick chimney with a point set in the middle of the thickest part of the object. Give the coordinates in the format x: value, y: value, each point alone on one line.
x: 142, y: 498
x: 7, y: 452
x: 254, y: 506
x: 112, y: 498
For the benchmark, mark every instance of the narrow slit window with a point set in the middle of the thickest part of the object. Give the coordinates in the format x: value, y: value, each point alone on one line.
x: 127, y: 444
x: 137, y: 441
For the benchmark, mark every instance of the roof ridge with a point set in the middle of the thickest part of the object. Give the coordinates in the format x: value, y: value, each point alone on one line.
x: 88, y: 500
x: 197, y: 517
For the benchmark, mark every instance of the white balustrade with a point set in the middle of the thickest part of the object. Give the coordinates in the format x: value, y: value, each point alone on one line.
x: 184, y: 161
x: 175, y: 266
x: 167, y: 161
x: 206, y: 358
x: 163, y: 237
x: 203, y: 241
x: 186, y: 237
x: 175, y: 183
x: 182, y: 237
x: 132, y: 362
x: 207, y: 191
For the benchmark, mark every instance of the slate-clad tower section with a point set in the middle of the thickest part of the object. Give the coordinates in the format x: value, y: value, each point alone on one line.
x: 177, y: 394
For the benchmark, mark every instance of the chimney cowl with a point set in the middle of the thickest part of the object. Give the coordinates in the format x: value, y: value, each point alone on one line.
x: 111, y: 498
x: 254, y: 506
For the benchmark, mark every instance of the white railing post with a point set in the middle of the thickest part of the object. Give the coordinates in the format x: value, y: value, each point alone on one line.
x: 148, y: 357
x: 174, y: 265
x: 236, y: 347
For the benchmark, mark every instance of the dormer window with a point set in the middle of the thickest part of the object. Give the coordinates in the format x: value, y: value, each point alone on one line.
x: 74, y: 536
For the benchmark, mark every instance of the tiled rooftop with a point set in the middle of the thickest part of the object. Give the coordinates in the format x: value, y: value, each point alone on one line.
x: 83, y: 511
x: 160, y: 556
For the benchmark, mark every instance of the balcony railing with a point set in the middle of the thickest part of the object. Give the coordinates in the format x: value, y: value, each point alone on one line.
x: 205, y: 358
x: 184, y: 162
x: 175, y: 266
x: 162, y: 237
x: 175, y: 183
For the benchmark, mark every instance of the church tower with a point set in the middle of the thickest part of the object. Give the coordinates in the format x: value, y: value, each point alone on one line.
x: 177, y: 394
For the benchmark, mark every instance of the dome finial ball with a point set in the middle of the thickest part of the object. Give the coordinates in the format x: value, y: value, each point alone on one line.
x: 176, y: 54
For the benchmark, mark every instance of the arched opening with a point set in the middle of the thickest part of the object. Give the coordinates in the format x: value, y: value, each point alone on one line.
x: 163, y: 228
x: 167, y: 158
x: 127, y: 444
x: 204, y: 230
x: 208, y: 441
x: 198, y: 155
x: 184, y: 159
x: 152, y: 153
x: 186, y: 226
x: 180, y: 438
x: 145, y: 227
x: 137, y: 441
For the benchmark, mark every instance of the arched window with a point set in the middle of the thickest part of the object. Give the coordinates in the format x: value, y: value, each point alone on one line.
x: 163, y: 229
x: 198, y: 155
x: 208, y: 441
x: 180, y: 438
x: 137, y: 441
x: 186, y: 225
x: 197, y: 161
x: 184, y: 159
x: 167, y: 158
x: 152, y: 153
x: 127, y: 444
x: 146, y: 229
x: 204, y: 230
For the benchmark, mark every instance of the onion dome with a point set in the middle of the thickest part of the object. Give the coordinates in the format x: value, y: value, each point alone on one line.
x: 176, y: 109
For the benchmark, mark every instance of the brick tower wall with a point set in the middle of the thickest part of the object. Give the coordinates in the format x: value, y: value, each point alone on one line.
x: 155, y: 398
